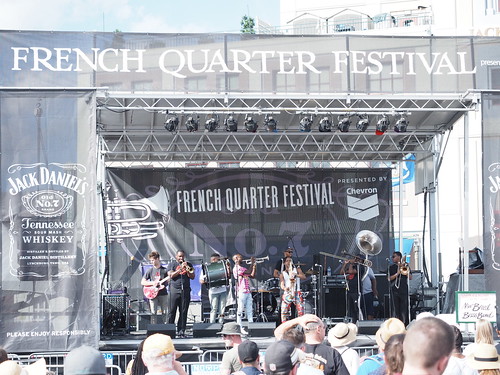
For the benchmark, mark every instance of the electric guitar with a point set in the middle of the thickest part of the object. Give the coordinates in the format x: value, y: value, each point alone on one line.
x: 151, y: 291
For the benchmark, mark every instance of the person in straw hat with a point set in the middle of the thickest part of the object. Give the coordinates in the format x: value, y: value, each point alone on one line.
x: 339, y: 337
x: 390, y: 327
x: 159, y: 356
x: 485, y: 359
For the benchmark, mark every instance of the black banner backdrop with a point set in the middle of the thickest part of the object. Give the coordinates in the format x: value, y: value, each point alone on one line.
x: 48, y: 289
x: 252, y: 212
x: 491, y: 191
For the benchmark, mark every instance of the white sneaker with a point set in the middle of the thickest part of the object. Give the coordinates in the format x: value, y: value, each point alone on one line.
x: 243, y: 332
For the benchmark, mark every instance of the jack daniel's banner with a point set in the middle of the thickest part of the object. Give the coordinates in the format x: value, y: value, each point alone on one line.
x: 252, y: 212
x: 49, y: 290
x: 491, y: 191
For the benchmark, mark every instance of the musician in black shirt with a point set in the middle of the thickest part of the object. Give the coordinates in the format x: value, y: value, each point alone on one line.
x: 181, y: 273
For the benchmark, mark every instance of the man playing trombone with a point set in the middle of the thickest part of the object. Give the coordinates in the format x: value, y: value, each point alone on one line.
x: 399, y: 274
x: 181, y: 273
x: 242, y: 276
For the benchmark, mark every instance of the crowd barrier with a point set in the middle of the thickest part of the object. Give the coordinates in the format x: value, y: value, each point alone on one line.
x: 116, y: 362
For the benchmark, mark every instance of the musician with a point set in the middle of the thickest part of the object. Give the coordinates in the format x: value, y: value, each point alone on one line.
x: 354, y: 272
x: 181, y: 273
x: 152, y: 278
x: 278, y: 268
x: 290, y: 284
x: 243, y: 292
x: 369, y: 291
x: 217, y: 295
x: 399, y: 274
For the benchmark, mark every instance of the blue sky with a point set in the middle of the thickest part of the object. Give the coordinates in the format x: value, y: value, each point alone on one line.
x: 155, y: 16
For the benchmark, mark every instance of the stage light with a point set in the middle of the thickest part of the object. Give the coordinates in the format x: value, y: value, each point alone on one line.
x: 171, y: 123
x: 344, y: 124
x: 231, y: 124
x: 401, y: 125
x: 212, y: 123
x: 305, y: 124
x: 325, y: 125
x: 270, y: 123
x: 250, y: 125
x: 362, y: 123
x: 382, y: 125
x: 192, y: 124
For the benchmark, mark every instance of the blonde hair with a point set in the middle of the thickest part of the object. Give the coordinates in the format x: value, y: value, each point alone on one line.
x: 489, y: 372
x: 484, y: 332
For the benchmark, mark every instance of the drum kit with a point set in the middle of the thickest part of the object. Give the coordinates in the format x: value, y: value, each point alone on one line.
x: 265, y: 297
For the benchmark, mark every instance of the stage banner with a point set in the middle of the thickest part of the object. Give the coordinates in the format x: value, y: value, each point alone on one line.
x: 252, y: 212
x: 491, y: 191
x: 49, y: 289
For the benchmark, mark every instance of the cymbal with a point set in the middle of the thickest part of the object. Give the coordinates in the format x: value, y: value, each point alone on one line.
x: 312, y: 272
x: 299, y: 264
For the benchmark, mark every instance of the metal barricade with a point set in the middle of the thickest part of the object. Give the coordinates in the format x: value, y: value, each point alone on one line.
x: 212, y: 355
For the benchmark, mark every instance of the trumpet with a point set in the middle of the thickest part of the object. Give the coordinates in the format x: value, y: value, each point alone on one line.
x: 185, y: 268
x: 256, y: 260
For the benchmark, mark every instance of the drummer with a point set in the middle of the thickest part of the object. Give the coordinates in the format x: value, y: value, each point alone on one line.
x: 217, y: 295
x: 280, y: 265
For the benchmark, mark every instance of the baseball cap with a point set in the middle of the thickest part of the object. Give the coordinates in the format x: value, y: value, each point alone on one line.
x: 281, y: 356
x: 248, y: 351
x: 84, y: 360
x: 163, y: 344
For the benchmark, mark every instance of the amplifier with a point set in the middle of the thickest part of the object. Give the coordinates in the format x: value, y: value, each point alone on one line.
x: 115, y: 314
x: 334, y: 281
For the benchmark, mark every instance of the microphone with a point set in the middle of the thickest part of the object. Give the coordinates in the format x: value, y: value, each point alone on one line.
x: 318, y: 265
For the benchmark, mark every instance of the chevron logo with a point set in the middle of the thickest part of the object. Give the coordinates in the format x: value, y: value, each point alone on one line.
x: 362, y: 209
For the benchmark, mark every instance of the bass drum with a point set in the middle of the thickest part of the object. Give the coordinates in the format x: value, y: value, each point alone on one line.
x: 216, y: 274
x: 264, y: 303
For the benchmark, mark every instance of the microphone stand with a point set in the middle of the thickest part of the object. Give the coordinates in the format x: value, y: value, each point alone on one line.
x: 391, y: 306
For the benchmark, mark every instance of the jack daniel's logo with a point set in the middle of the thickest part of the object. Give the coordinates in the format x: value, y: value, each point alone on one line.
x: 45, y: 176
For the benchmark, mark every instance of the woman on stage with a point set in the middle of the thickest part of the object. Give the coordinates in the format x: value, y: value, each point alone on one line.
x: 290, y: 284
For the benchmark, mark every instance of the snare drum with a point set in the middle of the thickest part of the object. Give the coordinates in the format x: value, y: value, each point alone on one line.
x: 216, y: 273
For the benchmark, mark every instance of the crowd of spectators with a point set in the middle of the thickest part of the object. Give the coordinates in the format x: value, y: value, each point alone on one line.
x: 302, y: 346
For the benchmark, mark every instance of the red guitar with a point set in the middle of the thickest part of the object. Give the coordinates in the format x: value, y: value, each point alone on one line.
x: 151, y: 291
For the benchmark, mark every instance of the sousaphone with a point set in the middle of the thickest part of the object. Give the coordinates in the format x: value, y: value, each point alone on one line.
x: 368, y: 242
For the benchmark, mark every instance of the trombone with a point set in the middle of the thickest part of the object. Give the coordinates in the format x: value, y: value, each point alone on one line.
x: 256, y: 260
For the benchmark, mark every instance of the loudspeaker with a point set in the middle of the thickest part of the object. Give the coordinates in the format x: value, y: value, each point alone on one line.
x: 368, y: 327
x: 206, y: 329
x: 261, y: 329
x: 115, y: 317
x: 335, y: 306
x: 166, y: 329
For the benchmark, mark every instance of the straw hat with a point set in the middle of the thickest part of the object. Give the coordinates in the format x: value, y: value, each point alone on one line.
x: 342, y: 334
x: 485, y: 357
x: 390, y: 327
x: 10, y: 368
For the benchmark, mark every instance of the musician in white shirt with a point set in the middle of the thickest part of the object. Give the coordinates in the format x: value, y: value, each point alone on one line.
x: 217, y: 295
x: 290, y: 284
